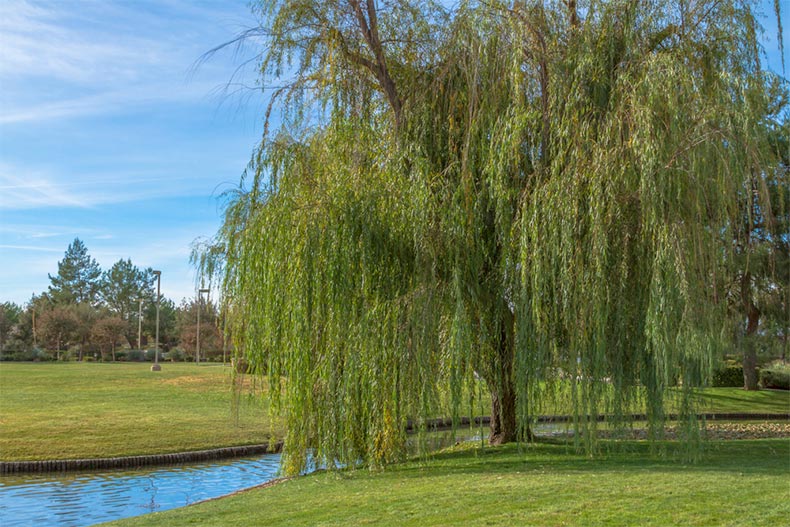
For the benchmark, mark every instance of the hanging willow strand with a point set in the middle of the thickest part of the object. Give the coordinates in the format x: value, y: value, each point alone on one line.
x: 544, y: 209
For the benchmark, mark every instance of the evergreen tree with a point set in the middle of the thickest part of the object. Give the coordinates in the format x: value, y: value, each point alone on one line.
x: 78, y: 278
x: 122, y: 288
x: 10, y: 314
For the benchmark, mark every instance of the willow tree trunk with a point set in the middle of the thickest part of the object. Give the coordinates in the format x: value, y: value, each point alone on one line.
x: 749, y: 351
x: 503, y: 428
x: 503, y: 413
x: 752, y: 323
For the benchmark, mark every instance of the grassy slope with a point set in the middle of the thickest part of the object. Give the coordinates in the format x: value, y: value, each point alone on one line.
x: 62, y: 411
x: 737, y: 483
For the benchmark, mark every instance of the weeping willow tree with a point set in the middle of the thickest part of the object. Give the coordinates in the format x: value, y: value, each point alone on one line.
x: 532, y: 194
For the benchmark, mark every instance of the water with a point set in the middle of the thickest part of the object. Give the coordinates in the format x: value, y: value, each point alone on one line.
x: 79, y: 499
x: 82, y: 499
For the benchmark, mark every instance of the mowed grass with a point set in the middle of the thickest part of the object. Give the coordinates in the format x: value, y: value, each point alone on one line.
x: 547, y: 484
x: 737, y: 400
x: 81, y: 410
x: 77, y: 410
x: 710, y: 400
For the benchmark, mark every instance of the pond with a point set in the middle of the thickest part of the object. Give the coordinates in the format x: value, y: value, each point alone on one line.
x: 80, y: 499
x: 76, y: 499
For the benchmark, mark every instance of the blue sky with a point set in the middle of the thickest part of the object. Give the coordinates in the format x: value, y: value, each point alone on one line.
x: 109, y: 133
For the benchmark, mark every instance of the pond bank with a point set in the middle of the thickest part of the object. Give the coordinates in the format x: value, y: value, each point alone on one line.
x: 130, y: 462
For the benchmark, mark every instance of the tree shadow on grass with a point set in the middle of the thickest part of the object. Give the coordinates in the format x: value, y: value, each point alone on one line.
x: 760, y: 401
x: 744, y: 457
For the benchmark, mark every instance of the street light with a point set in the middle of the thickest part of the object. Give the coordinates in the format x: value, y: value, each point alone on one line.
x: 156, y: 366
x: 140, y: 324
x: 200, y: 304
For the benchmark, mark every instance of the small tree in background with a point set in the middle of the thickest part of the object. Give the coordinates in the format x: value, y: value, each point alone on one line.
x: 168, y: 334
x: 10, y: 314
x: 760, y: 290
x: 109, y: 333
x: 58, y: 327
x: 186, y: 327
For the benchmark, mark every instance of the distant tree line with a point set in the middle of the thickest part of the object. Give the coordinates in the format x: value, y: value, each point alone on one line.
x: 92, y: 314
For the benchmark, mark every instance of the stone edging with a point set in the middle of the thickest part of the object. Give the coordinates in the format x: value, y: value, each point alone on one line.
x: 128, y: 462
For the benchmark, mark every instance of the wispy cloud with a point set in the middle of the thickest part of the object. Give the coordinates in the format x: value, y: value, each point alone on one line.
x: 31, y: 248
x: 59, y: 62
x: 131, y: 97
x: 41, y: 41
x: 33, y: 190
x: 24, y: 188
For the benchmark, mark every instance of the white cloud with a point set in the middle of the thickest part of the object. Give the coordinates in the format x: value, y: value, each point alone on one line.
x: 24, y: 188
x: 110, y: 101
x: 57, y: 41
x: 30, y: 248
x: 63, y: 59
x: 33, y: 190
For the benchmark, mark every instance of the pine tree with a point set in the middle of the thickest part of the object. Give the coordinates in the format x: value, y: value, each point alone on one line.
x: 122, y: 288
x: 78, y: 277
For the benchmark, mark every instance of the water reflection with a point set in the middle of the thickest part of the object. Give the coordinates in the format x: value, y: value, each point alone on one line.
x: 77, y: 500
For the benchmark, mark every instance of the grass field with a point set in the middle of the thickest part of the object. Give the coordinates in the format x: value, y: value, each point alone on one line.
x: 736, y: 483
x: 76, y: 410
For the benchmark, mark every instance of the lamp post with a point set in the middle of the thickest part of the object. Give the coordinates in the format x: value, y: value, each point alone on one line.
x: 156, y: 366
x: 200, y: 304
x: 224, y: 338
x: 140, y: 324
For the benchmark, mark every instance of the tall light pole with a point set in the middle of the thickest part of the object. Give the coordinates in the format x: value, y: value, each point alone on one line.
x: 224, y: 336
x: 200, y: 304
x: 156, y: 366
x: 140, y: 324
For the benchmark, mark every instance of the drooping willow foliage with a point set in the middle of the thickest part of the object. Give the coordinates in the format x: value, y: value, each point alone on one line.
x: 538, y: 195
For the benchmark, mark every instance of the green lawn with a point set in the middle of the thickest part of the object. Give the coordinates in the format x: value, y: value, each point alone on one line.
x: 712, y: 400
x: 76, y: 410
x: 736, y: 483
x: 734, y: 400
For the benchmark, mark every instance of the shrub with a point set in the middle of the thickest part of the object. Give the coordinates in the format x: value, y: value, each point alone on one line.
x: 776, y: 376
x: 34, y: 354
x: 175, y: 355
x: 133, y: 355
x: 731, y: 376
